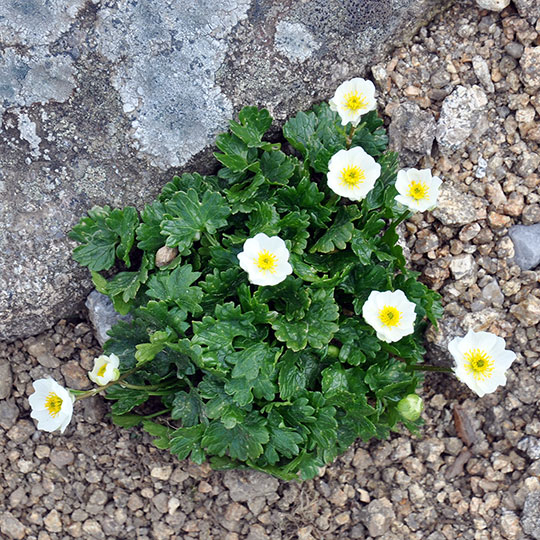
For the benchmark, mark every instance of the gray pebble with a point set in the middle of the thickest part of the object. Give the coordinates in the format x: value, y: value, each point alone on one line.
x: 530, y: 518
x: 526, y: 240
x: 6, y: 380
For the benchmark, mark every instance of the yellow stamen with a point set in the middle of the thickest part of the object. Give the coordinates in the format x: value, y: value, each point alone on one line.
x: 101, y: 370
x: 390, y: 316
x: 53, y: 404
x: 352, y: 176
x: 266, y: 262
x: 355, y: 101
x: 418, y: 190
x: 479, y: 363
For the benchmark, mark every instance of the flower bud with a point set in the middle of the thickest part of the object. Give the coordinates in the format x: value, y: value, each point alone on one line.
x: 410, y: 407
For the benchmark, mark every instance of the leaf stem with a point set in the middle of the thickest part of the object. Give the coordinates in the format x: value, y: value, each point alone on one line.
x: 426, y: 367
x: 99, y: 389
x: 350, y: 136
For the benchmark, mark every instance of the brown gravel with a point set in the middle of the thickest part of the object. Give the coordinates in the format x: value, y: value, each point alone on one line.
x: 480, y: 481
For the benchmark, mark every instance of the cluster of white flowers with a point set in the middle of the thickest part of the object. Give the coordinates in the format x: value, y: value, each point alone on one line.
x: 481, y: 358
x: 52, y: 404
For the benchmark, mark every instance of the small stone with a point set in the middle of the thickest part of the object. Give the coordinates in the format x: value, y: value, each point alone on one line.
x: 21, y: 431
x: 431, y: 449
x: 531, y: 214
x: 235, y: 512
x: 378, y: 516
x: 527, y: 311
x: 528, y: 8
x: 498, y: 221
x: 530, y: 67
x: 468, y: 232
x: 426, y: 241
x: 161, y: 502
x: 492, y: 294
x: 6, y: 380
x: 102, y: 314
x: 481, y: 70
x: 52, y: 521
x: 257, y: 532
x: 76, y: 377
x: 343, y: 518
x: 510, y: 527
x: 62, y: 458
x: 514, y: 49
x: 165, y: 255
x: 93, y: 528
x: 463, y: 114
x: 9, y: 412
x: 457, y: 208
x: 493, y: 5
x: 42, y: 349
x: 411, y: 132
x: 161, y: 473
x: 12, y: 527
x: 526, y: 239
x: 245, y: 486
x: 531, y: 446
x: 462, y: 265
x: 530, y: 517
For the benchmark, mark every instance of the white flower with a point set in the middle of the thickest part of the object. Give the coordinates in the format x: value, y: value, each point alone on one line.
x: 353, y: 99
x: 390, y: 314
x: 52, y: 405
x: 265, y: 259
x: 417, y: 189
x: 105, y: 369
x: 481, y: 361
x: 352, y: 173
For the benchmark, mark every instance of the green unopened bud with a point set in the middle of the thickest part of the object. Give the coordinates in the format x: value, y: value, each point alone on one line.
x: 333, y: 351
x: 410, y: 407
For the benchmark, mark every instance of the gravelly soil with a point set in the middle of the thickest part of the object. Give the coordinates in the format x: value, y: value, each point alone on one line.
x: 480, y: 481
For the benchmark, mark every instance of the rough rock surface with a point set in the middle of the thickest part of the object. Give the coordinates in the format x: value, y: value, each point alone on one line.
x: 99, y: 100
x: 526, y: 239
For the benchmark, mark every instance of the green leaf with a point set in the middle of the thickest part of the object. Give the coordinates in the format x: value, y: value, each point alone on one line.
x: 337, y: 236
x: 188, y: 407
x: 219, y: 286
x: 292, y: 377
x: 334, y: 379
x: 316, y: 328
x: 126, y: 399
x: 162, y: 434
x: 147, y: 352
x: 124, y: 223
x: 187, y: 217
x: 389, y: 165
x: 391, y: 379
x: 283, y: 441
x: 263, y: 219
x: 176, y: 287
x: 100, y: 251
x: 186, y: 441
x: 189, y: 181
x: 149, y: 237
x: 127, y: 420
x: 357, y: 341
x: 277, y: 167
x: 236, y: 154
x: 254, y: 123
x: 244, y: 441
x: 324, y: 429
x: 127, y: 283
x: 290, y: 297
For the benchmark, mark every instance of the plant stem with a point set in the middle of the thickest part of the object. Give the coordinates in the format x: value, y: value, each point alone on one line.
x: 139, y: 387
x: 424, y: 367
x: 211, y: 238
x: 350, y: 136
x: 94, y: 391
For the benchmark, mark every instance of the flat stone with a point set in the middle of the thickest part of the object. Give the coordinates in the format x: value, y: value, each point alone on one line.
x: 411, y: 133
x: 530, y: 67
x: 62, y: 458
x: 527, y: 311
x: 6, y: 380
x: 528, y: 8
x: 76, y: 377
x: 462, y: 265
x: 526, y: 239
x: 245, y: 486
x: 52, y: 521
x: 492, y: 5
x: 9, y: 412
x: 378, y: 516
x: 463, y: 116
x: 454, y: 207
x: 106, y: 100
x: 481, y: 70
x: 530, y: 517
x: 42, y: 349
x: 21, y: 431
x: 12, y: 527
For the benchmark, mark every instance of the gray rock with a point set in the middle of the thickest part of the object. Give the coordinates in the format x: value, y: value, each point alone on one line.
x: 492, y: 294
x: 530, y: 517
x: 492, y: 5
x: 526, y: 240
x: 12, y: 527
x: 6, y: 380
x: 411, y: 133
x: 9, y: 412
x: 454, y: 207
x: 527, y: 311
x: 102, y: 315
x: 528, y: 8
x: 463, y: 115
x: 481, y: 70
x: 531, y: 446
x: 99, y: 100
x: 246, y: 486
x: 378, y: 516
x: 530, y: 67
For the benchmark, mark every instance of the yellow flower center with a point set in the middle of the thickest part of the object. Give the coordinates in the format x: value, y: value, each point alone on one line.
x: 352, y: 176
x: 355, y: 101
x: 418, y: 190
x: 266, y: 261
x: 101, y: 370
x: 53, y: 404
x: 479, y: 363
x: 390, y: 316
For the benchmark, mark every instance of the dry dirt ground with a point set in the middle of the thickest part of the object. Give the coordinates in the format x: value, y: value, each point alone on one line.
x: 478, y: 482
